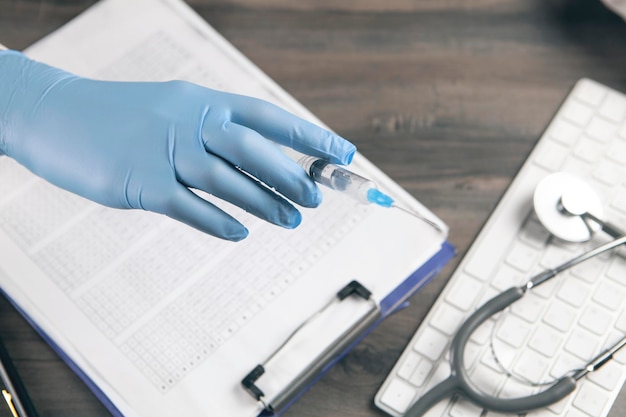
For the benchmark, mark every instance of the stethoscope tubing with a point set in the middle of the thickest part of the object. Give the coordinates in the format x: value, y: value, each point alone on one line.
x: 458, y: 383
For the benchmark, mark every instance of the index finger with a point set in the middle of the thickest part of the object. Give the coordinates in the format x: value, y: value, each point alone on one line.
x: 287, y: 129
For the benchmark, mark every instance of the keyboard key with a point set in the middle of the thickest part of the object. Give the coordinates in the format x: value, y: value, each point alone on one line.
x: 553, y: 157
x: 619, y: 202
x: 613, y: 107
x: 442, y: 372
x: 582, y: 344
x: 576, y: 413
x: 464, y: 293
x: 529, y: 308
x: 609, y: 173
x: 590, y: 92
x: 421, y: 373
x: 447, y: 319
x: 483, y: 332
x: 507, y: 277
x: 488, y: 379
x: 565, y: 132
x: 559, y: 406
x: 588, y: 270
x: 622, y: 131
x: 591, y: 399
x: 555, y: 255
x: 431, y: 344
x: 534, y: 234
x: 465, y: 408
x: 522, y: 256
x: 408, y: 366
x: 573, y: 291
x: 577, y: 166
x: 587, y: 150
x: 560, y: 316
x: 577, y: 113
x: 398, y: 395
x: 609, y: 296
x: 609, y: 376
x: 500, y: 358
x: 600, y: 129
x: 617, y: 153
x: 546, y: 341
x: 476, y: 265
x: 532, y: 366
x: 617, y: 270
x: 620, y: 324
x: 564, y: 364
x: 513, y: 331
x: 596, y: 319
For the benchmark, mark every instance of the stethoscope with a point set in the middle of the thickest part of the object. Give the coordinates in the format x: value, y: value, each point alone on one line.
x: 570, y: 210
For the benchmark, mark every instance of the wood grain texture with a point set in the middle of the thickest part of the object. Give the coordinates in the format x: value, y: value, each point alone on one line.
x: 446, y: 96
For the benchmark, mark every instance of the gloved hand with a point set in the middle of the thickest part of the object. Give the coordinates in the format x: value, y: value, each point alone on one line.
x: 145, y: 144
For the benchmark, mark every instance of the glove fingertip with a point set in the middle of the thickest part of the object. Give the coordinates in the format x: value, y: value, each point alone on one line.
x: 227, y: 228
x: 339, y: 150
x: 187, y: 207
x: 315, y: 197
x: 293, y: 220
x: 348, y: 153
x: 237, y: 234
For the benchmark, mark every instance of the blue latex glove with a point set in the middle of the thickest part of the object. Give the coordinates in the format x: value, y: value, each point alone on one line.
x: 144, y: 145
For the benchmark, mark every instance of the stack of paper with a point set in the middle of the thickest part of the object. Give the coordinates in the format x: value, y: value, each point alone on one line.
x: 158, y: 318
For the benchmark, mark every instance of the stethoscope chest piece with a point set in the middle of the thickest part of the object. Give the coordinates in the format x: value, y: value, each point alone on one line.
x: 561, y: 200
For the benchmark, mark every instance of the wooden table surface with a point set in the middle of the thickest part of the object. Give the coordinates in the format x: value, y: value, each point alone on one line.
x: 447, y: 97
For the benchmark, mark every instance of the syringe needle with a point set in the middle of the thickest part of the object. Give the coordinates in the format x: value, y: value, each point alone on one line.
x: 375, y: 196
x: 340, y: 179
x: 419, y: 216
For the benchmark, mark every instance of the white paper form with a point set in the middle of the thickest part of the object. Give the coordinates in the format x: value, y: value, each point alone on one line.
x: 164, y: 319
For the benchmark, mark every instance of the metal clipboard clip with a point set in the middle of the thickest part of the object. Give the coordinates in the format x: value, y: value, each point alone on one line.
x: 278, y: 390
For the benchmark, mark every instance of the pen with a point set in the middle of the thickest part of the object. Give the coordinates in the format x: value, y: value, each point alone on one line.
x: 14, y: 392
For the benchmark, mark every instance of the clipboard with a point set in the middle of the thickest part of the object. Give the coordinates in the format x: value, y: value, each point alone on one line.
x: 353, y: 293
x: 131, y: 390
x: 283, y: 393
x: 337, y: 349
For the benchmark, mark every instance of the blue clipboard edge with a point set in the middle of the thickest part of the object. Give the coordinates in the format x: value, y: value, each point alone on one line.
x: 418, y: 279
x: 389, y: 305
x: 95, y: 389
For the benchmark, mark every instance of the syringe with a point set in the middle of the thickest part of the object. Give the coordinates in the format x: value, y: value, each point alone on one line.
x: 364, y: 190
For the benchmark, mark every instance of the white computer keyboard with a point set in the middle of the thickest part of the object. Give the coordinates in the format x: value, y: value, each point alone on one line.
x: 558, y: 326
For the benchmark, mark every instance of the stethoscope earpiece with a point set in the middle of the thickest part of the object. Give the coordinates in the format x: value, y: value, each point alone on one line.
x: 561, y: 200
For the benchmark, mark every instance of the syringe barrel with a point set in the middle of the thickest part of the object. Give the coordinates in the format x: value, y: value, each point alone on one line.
x: 337, y: 178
